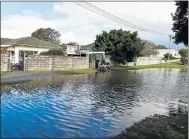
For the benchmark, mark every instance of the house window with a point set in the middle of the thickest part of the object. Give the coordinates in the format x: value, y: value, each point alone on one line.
x: 35, y: 52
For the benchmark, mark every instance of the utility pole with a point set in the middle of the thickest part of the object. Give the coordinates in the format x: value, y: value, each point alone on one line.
x: 170, y: 37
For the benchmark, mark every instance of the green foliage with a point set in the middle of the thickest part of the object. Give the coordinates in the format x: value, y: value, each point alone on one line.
x: 172, y: 65
x: 180, y: 25
x: 122, y: 46
x: 63, y: 46
x: 160, y: 47
x: 73, y: 43
x: 47, y: 34
x: 53, y: 52
x: 168, y: 55
x: 184, y: 55
x: 183, y: 52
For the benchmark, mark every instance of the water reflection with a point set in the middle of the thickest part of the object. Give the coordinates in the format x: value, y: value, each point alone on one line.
x: 99, y: 105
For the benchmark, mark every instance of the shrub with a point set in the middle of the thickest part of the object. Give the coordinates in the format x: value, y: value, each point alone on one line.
x: 171, y: 57
x: 53, y: 52
x: 184, y: 55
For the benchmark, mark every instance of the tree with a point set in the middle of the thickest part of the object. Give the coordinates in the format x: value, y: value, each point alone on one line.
x: 63, y: 46
x: 122, y: 46
x: 180, y: 25
x: 148, y: 48
x: 184, y: 55
x: 160, y: 47
x: 168, y: 55
x: 47, y: 34
x: 73, y: 43
x: 53, y: 52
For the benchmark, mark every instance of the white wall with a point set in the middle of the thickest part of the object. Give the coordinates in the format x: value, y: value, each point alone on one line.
x: 25, y: 48
x: 162, y: 52
x: 148, y: 60
x: 72, y: 49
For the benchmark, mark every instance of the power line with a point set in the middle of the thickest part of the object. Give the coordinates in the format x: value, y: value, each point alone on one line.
x: 107, y: 13
x: 114, y: 18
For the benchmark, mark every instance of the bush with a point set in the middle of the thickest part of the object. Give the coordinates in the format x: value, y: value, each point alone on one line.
x: 184, y: 60
x: 184, y: 55
x: 171, y: 57
x: 53, y: 52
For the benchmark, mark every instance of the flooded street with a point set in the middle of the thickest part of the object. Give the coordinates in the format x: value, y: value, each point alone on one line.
x: 90, y: 106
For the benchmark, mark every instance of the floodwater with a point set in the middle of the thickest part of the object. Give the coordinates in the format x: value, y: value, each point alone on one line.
x: 89, y: 106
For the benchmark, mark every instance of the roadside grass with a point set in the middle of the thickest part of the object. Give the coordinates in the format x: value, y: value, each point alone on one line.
x: 76, y: 71
x: 171, y: 65
x: 4, y: 72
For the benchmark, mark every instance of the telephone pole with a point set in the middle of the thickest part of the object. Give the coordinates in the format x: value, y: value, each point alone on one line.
x: 170, y: 37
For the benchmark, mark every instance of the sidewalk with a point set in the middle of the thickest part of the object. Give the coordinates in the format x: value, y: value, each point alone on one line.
x: 22, y: 76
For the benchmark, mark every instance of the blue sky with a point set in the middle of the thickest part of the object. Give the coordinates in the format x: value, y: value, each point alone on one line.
x: 19, y: 19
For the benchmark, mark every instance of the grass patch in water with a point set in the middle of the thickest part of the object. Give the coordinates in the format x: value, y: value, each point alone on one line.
x: 158, y: 127
x: 76, y: 71
x: 172, y: 65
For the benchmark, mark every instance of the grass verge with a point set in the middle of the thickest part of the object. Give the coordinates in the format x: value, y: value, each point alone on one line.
x: 158, y: 127
x: 76, y: 71
x: 172, y: 65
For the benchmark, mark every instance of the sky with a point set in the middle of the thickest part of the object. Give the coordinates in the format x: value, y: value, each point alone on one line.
x: 76, y: 24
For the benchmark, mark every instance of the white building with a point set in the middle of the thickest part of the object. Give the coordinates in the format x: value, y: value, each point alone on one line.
x: 162, y: 52
x: 28, y: 45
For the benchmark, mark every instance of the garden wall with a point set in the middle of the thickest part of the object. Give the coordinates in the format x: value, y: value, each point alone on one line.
x: 139, y: 61
x: 54, y: 63
x: 4, y: 62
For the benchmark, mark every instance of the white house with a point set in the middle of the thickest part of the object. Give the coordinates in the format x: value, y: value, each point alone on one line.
x: 28, y: 45
x: 162, y: 52
x: 73, y: 49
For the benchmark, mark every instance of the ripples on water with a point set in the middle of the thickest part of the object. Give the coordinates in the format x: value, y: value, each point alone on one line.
x: 90, y: 106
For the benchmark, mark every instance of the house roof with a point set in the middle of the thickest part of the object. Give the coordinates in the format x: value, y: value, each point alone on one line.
x: 29, y: 41
x: 6, y: 41
x: 87, y: 47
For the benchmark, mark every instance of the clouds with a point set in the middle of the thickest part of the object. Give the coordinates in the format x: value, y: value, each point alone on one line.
x: 78, y: 24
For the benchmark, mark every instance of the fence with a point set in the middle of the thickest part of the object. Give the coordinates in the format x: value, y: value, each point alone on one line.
x: 54, y: 63
x: 141, y: 61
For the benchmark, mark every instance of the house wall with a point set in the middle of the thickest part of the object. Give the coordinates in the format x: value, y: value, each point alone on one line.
x: 25, y: 48
x: 162, y: 52
x: 4, y: 62
x: 54, y: 63
x: 72, y: 49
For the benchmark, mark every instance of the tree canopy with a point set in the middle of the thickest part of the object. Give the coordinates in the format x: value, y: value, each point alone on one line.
x: 48, y: 35
x: 184, y: 55
x: 122, y: 46
x: 148, y: 48
x: 180, y: 25
x: 63, y: 46
x: 73, y: 43
x: 160, y: 47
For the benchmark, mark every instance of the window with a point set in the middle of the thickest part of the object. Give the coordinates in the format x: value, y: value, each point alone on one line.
x: 35, y: 52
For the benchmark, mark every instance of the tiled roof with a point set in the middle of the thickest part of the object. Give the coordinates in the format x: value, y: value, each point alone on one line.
x: 87, y: 47
x: 30, y: 41
x: 6, y: 41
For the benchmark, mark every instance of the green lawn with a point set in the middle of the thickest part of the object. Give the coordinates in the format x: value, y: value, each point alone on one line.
x: 172, y: 65
x: 76, y: 71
